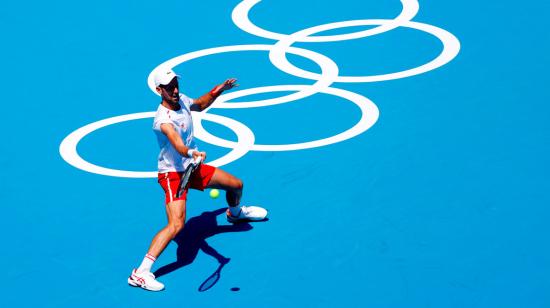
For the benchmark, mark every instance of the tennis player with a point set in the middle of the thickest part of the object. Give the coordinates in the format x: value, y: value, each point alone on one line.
x: 173, y: 127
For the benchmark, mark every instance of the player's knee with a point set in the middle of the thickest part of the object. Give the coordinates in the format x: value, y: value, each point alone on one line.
x: 238, y: 184
x: 175, y: 228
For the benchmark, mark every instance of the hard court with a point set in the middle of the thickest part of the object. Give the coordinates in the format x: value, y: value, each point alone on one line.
x: 401, y: 147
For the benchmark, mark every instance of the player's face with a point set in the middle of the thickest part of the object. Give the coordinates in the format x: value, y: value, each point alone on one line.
x: 170, y: 92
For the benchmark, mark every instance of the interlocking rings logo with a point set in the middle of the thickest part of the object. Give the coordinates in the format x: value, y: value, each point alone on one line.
x: 277, y: 56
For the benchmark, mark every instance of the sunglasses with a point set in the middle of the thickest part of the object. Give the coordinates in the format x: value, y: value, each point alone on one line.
x: 171, y: 86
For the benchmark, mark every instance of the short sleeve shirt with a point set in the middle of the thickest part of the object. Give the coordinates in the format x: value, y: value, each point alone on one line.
x: 169, y: 160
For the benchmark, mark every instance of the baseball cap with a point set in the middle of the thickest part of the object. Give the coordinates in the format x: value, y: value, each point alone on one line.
x: 164, y: 76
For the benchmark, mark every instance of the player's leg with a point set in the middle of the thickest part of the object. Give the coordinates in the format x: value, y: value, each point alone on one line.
x: 142, y: 277
x: 175, y: 212
x: 233, y: 187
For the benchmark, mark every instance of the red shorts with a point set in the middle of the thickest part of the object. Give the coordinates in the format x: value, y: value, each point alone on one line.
x: 170, y: 181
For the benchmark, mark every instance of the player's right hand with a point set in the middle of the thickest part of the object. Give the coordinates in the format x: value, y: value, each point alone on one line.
x: 199, y: 154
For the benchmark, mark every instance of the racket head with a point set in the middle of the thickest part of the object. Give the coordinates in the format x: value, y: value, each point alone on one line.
x: 185, y: 179
x: 187, y: 174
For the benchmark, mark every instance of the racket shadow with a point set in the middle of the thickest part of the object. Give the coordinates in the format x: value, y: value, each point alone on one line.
x: 212, y: 279
x: 192, y: 239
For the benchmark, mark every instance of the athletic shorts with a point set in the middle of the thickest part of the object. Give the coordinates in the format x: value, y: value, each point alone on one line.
x: 170, y: 181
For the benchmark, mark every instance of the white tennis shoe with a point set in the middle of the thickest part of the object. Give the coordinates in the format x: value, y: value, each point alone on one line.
x: 247, y: 213
x: 145, y: 280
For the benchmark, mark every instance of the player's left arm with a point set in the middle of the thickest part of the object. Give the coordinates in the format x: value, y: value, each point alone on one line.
x: 207, y: 99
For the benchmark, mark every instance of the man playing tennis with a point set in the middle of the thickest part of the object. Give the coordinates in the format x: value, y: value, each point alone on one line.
x: 173, y: 127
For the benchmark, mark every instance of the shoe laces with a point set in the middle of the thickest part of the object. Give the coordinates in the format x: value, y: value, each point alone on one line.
x: 148, y: 274
x: 244, y: 210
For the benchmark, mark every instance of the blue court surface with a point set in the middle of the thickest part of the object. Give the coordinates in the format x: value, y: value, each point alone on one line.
x: 401, y: 148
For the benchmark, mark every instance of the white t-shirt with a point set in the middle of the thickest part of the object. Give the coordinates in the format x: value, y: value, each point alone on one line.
x: 169, y: 159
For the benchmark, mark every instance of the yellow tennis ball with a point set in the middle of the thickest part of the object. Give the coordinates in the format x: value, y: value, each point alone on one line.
x: 214, y: 193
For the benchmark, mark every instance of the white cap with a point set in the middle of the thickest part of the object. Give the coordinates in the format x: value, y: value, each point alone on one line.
x: 164, y: 76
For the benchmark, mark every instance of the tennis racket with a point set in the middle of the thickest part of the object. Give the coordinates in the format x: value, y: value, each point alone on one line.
x: 187, y: 174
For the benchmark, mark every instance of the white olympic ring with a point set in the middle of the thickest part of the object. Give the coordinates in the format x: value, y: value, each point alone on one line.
x: 277, y: 55
x: 241, y: 20
x: 451, y: 47
x: 369, y: 116
x: 329, y: 72
x: 68, y: 146
x: 68, y: 151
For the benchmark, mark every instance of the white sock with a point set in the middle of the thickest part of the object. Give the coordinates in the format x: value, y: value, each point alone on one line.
x: 146, y: 264
x: 235, y: 210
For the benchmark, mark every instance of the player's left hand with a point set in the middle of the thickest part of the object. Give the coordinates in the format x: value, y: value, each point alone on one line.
x: 229, y: 84
x: 226, y: 85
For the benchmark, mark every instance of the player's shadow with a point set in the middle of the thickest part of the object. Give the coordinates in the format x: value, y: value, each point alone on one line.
x: 193, y: 238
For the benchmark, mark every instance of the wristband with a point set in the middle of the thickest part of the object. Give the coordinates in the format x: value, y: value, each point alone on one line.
x: 216, y: 91
x: 190, y: 153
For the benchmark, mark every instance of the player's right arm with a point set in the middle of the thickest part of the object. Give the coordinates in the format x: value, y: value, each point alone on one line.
x: 177, y: 142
